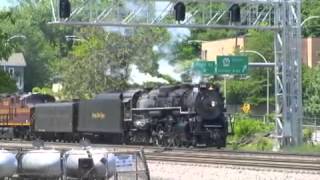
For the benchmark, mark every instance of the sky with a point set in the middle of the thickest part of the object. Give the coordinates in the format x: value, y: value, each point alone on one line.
x: 164, y: 67
x: 7, y: 3
x: 136, y: 76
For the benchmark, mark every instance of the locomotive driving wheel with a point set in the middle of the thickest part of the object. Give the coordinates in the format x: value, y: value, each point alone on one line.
x: 218, y: 138
x: 140, y: 137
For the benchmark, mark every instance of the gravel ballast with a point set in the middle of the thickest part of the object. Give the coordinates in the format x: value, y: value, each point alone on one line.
x: 160, y: 170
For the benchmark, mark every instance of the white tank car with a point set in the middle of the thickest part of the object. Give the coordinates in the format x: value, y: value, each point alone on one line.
x: 41, y: 163
x: 104, y: 162
x: 8, y: 164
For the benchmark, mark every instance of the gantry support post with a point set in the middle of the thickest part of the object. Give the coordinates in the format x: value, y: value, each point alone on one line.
x: 288, y: 73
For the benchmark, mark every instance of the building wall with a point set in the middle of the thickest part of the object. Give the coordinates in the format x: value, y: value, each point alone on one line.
x: 315, y: 54
x: 304, y: 52
x: 210, y: 50
x: 310, y: 50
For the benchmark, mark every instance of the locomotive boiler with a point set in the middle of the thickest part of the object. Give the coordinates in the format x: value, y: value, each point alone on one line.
x: 184, y: 115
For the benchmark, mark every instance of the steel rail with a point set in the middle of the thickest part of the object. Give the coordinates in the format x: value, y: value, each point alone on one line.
x: 200, y: 156
x: 205, y: 151
x: 293, y: 165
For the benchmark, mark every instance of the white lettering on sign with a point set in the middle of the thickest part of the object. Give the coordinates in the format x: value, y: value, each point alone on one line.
x: 125, y: 163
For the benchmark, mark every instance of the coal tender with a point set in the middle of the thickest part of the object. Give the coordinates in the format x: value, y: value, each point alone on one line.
x: 179, y: 115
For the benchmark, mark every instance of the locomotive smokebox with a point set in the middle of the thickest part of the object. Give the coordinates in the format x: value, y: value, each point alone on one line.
x: 209, y: 104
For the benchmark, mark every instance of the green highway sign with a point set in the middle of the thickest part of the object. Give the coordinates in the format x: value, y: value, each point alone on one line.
x: 225, y: 65
x: 204, y: 67
x: 232, y: 64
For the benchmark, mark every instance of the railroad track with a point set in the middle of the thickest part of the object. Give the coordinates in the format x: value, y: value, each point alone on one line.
x: 199, y: 156
x: 259, y: 162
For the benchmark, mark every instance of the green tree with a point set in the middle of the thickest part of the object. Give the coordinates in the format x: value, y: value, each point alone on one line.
x: 43, y: 44
x: 6, y: 46
x: 311, y: 8
x: 245, y: 91
x: 98, y: 63
x: 311, y: 90
x: 50, y: 57
x: 261, y: 41
x: 254, y: 89
x: 7, y: 85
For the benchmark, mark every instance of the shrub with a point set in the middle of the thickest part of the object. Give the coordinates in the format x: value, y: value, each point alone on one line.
x: 249, y: 134
x: 247, y: 127
x: 264, y: 144
x: 307, y: 134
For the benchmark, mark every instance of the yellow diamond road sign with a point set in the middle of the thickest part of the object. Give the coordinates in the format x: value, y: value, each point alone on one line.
x: 246, y: 108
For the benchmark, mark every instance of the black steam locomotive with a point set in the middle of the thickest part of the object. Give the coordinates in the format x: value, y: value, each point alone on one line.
x: 181, y: 115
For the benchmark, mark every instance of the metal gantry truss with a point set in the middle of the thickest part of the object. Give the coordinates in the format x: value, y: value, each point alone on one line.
x: 280, y: 16
x: 256, y: 14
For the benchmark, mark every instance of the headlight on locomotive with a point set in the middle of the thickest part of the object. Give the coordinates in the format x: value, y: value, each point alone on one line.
x: 141, y: 123
x: 209, y: 104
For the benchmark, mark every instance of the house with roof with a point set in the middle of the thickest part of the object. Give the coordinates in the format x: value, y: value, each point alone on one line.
x: 15, y: 67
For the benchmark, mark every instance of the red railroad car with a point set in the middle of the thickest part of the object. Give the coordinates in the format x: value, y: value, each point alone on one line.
x: 15, y: 111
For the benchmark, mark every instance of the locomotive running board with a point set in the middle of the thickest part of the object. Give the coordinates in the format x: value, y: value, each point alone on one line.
x: 163, y: 108
x: 212, y: 126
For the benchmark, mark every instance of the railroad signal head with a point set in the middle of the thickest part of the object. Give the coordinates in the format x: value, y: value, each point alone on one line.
x: 180, y: 11
x: 64, y: 8
x: 235, y: 13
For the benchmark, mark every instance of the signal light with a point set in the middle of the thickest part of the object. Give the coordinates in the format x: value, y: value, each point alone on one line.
x: 180, y: 10
x: 235, y: 13
x: 64, y: 8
